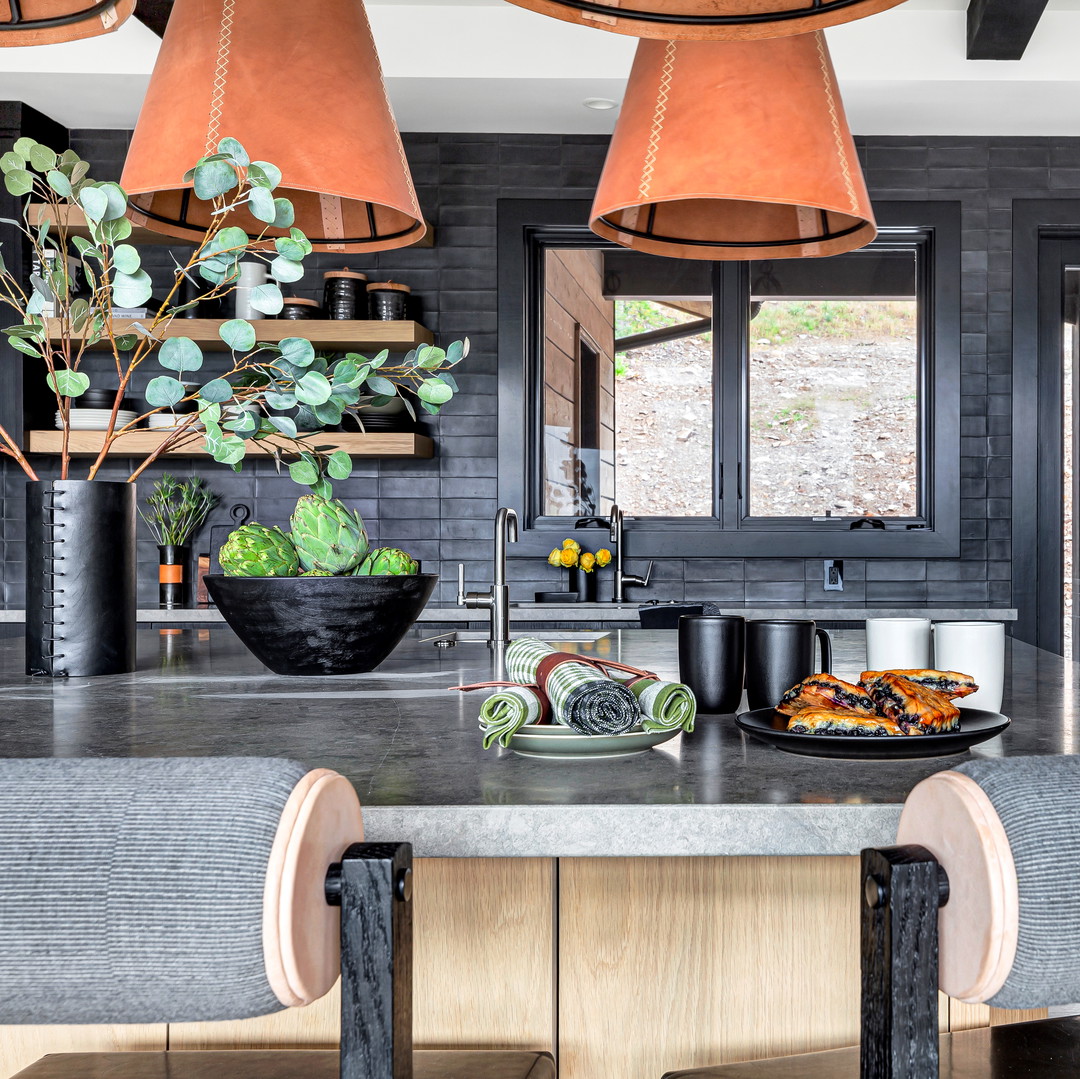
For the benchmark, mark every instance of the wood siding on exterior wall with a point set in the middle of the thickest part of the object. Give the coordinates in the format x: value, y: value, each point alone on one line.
x: 574, y: 302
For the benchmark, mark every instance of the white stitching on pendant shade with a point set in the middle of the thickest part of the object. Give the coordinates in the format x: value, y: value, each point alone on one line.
x: 838, y: 134
x: 221, y: 73
x: 659, y: 113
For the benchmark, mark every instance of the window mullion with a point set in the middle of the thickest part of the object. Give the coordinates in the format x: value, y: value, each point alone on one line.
x: 729, y: 350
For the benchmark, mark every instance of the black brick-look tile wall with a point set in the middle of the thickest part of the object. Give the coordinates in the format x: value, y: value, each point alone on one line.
x: 441, y: 509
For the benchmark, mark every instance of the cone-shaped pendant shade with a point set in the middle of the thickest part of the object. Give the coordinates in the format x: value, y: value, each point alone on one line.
x: 733, y: 150
x: 708, y: 20
x: 299, y: 86
x: 48, y: 22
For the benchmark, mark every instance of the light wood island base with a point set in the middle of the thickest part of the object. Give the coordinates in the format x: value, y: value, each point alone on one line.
x: 625, y: 967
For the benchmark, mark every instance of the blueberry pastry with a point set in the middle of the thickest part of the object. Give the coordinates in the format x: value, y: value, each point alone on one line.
x: 825, y: 691
x: 845, y: 721
x: 915, y: 708
x: 951, y: 683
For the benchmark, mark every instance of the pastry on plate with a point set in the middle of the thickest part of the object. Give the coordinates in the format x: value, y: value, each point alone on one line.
x: 951, y: 683
x: 825, y: 691
x: 914, y: 707
x: 844, y: 721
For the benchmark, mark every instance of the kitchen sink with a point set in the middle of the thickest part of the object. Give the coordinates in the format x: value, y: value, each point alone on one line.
x: 554, y: 636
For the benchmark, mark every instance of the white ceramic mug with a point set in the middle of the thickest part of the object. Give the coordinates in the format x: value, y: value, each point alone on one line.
x: 897, y: 644
x: 978, y: 649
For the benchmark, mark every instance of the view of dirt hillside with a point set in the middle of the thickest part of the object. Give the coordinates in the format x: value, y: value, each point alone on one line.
x: 833, y: 411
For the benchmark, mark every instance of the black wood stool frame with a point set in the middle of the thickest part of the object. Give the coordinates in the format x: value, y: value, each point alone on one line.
x: 903, y: 888
x: 373, y: 886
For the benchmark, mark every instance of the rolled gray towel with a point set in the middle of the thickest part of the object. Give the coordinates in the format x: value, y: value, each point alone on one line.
x: 582, y: 697
x: 1038, y: 800
x: 132, y: 890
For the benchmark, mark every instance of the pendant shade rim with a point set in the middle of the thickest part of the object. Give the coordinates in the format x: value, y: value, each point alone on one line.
x: 838, y: 242
x: 701, y: 21
x: 147, y: 218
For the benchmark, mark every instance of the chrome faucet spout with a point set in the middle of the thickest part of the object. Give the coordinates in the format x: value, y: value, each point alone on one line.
x: 497, y: 598
x: 615, y: 527
x: 506, y: 531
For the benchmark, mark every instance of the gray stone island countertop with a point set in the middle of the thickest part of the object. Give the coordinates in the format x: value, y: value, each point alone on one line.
x: 605, y: 613
x: 413, y: 749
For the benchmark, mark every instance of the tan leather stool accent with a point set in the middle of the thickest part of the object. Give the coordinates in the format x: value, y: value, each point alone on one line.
x: 301, y: 931
x: 951, y: 815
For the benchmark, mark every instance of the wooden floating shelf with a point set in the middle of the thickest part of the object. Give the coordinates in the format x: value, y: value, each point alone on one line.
x: 141, y: 443
x: 330, y: 335
x: 75, y: 221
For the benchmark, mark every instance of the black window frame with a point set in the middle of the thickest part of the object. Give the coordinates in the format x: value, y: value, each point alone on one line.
x: 528, y: 227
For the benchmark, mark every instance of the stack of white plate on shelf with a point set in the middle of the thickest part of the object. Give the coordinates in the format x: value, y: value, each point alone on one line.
x: 166, y: 421
x: 95, y: 419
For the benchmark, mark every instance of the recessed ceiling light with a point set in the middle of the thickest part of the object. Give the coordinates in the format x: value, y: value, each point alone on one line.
x: 601, y: 104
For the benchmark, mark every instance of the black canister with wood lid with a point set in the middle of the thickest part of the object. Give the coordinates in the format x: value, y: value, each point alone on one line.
x: 345, y: 294
x: 388, y: 300
x: 297, y: 307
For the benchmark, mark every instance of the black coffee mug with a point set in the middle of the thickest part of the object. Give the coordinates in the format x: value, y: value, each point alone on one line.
x: 712, y: 659
x: 779, y: 654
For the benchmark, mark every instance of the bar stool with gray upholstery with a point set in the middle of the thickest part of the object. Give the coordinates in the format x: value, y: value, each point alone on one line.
x: 981, y: 897
x: 197, y: 889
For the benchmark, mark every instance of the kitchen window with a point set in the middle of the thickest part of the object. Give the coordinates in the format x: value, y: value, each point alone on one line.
x: 795, y: 407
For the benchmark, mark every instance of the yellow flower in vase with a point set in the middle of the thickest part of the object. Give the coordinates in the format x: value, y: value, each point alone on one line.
x: 555, y: 558
x: 568, y: 557
x: 571, y: 545
x: 603, y: 557
x: 587, y: 562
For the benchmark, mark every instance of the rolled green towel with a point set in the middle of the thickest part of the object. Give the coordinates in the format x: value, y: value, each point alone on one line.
x: 581, y: 696
x: 507, y: 710
x: 666, y: 706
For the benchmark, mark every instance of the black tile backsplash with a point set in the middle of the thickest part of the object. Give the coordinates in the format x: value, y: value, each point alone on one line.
x: 441, y: 509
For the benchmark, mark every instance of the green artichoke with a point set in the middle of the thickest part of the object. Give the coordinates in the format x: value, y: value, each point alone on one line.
x: 328, y: 535
x: 256, y: 551
x: 317, y: 573
x: 387, y: 562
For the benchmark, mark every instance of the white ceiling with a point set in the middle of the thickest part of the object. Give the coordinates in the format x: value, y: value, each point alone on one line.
x: 485, y: 65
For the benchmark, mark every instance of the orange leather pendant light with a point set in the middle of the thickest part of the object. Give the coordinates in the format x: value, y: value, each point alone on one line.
x: 733, y: 150
x: 300, y: 86
x: 47, y: 22
x: 708, y: 19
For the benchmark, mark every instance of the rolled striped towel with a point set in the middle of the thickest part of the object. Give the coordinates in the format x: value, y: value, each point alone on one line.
x: 582, y: 696
x: 509, y: 709
x: 665, y: 706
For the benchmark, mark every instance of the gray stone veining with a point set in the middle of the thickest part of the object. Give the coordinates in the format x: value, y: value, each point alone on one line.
x: 413, y: 749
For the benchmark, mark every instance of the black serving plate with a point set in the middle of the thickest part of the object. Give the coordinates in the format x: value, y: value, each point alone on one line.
x: 976, y: 726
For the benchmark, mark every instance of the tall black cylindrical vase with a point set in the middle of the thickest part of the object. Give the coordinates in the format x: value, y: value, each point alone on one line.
x: 712, y: 659
x: 80, y: 578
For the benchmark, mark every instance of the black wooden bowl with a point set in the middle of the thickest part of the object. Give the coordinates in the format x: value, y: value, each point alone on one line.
x: 321, y: 625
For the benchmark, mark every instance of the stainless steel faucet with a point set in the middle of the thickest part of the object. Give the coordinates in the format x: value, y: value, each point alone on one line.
x: 497, y: 600
x: 615, y: 524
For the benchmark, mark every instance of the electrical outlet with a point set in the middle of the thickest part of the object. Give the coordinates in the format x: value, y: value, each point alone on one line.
x: 834, y: 575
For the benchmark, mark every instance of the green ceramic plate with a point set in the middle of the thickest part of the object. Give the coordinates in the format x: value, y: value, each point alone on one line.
x: 562, y: 742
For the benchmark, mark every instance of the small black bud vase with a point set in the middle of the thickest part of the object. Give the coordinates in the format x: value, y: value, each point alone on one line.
x: 173, y: 580
x: 584, y: 584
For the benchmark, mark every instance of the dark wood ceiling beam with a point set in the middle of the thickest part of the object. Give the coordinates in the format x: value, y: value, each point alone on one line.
x: 1001, y: 29
x: 154, y: 13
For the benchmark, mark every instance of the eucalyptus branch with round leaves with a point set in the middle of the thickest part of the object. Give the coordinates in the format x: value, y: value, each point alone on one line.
x: 280, y: 396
